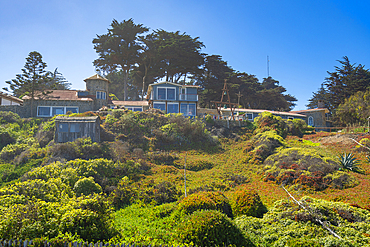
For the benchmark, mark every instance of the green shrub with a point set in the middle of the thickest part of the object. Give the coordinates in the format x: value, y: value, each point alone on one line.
x: 9, y: 117
x: 247, y: 202
x: 6, y: 138
x: 86, y: 186
x: 12, y: 150
x: 267, y: 121
x: 205, y: 200
x: 209, y: 119
x: 90, y: 218
x: 210, y: 228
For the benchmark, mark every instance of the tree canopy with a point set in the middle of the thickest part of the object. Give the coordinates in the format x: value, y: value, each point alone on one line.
x: 244, y: 89
x: 346, y: 80
x: 138, y: 60
x: 119, y: 49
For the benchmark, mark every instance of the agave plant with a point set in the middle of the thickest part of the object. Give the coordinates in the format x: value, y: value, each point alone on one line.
x: 349, y: 162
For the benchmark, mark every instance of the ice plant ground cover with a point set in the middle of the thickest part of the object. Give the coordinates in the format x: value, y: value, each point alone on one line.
x: 130, y: 187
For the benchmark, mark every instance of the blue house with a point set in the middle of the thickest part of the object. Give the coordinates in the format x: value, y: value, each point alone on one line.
x: 173, y: 98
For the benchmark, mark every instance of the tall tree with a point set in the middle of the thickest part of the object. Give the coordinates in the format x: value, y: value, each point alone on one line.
x: 33, y: 80
x: 212, y: 78
x: 180, y: 55
x: 57, y: 81
x: 345, y: 81
x: 322, y: 95
x: 119, y: 49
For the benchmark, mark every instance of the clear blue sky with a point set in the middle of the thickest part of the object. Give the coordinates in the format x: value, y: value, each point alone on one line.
x: 304, y: 39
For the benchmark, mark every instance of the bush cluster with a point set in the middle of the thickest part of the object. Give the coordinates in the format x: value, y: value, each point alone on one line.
x: 247, y: 202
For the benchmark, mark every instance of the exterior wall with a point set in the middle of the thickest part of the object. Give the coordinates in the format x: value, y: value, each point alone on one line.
x: 25, y: 110
x: 87, y: 128
x: 20, y: 110
x: 83, y: 106
x: 94, y: 86
x: 4, y: 101
x: 319, y: 118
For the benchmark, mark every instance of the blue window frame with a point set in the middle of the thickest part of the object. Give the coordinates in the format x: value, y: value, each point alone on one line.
x: 172, y: 108
x: 160, y: 106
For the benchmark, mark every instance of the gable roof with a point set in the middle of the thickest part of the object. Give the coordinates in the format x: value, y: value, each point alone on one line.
x: 97, y: 77
x: 10, y: 97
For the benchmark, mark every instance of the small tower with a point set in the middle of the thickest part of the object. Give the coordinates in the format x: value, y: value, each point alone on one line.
x: 97, y: 86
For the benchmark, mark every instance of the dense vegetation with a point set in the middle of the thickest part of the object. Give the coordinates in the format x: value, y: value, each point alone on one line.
x: 130, y: 187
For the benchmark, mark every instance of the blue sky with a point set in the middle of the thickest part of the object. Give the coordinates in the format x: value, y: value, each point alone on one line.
x: 303, y: 39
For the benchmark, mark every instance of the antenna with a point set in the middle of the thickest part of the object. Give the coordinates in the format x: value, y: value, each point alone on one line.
x: 268, y: 67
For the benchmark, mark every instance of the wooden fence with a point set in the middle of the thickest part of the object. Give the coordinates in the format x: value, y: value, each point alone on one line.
x: 25, y: 243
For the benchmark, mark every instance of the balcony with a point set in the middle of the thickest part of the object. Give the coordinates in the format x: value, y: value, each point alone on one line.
x: 189, y: 97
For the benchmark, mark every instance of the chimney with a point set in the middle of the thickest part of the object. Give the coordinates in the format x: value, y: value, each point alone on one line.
x: 320, y: 104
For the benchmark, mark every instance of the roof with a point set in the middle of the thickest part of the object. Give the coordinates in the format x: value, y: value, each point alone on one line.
x: 96, y: 77
x: 62, y: 95
x: 76, y: 119
x: 130, y: 103
x: 293, y: 114
x: 10, y: 97
x: 312, y: 110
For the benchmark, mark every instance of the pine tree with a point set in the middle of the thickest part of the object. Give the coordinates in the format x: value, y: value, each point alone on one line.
x: 34, y: 78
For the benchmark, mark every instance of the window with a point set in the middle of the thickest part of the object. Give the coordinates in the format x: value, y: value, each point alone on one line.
x: 249, y: 116
x: 43, y: 111
x: 72, y: 109
x: 131, y: 108
x: 75, y: 127
x: 172, y: 108
x: 63, y: 127
x: 171, y: 93
x: 57, y: 110
x: 100, y: 95
x: 310, y: 121
x: 160, y: 106
x: 166, y: 93
x: 188, y: 109
x: 49, y: 111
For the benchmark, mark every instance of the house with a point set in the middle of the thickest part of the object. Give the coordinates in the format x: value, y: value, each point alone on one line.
x: 68, y: 129
x: 58, y: 102
x: 249, y: 114
x: 317, y: 117
x: 6, y: 99
x: 173, y: 98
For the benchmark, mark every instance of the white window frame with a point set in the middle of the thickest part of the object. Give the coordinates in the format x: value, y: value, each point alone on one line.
x: 166, y: 93
x: 310, y: 121
x: 101, y: 95
x: 51, y: 110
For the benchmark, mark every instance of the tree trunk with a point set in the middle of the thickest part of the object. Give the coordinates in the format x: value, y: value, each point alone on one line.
x: 125, y: 81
